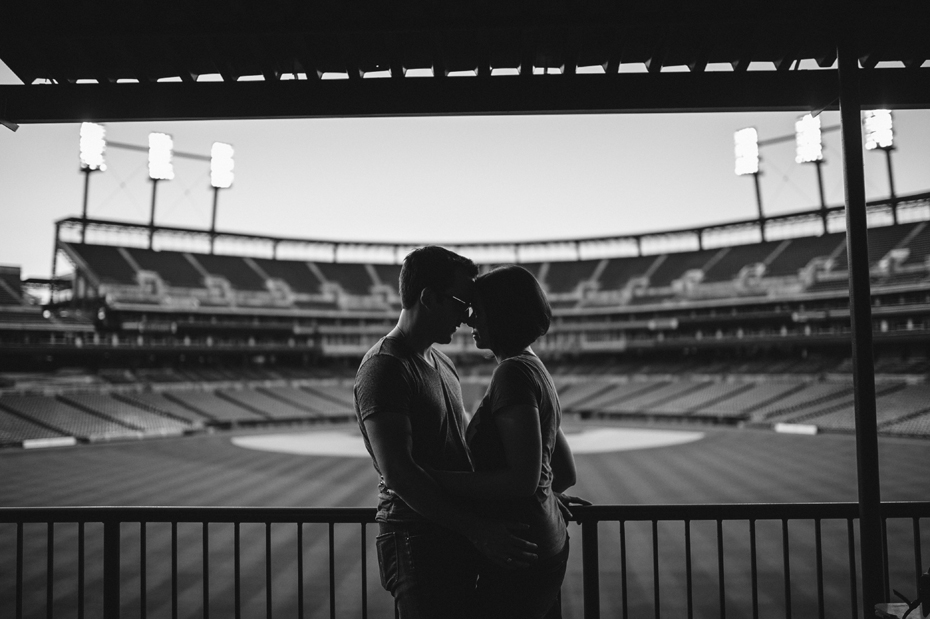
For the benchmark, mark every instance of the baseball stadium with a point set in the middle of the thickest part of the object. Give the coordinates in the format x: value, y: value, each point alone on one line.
x: 748, y: 401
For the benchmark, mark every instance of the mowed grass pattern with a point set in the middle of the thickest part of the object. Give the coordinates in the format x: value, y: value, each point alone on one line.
x: 727, y: 466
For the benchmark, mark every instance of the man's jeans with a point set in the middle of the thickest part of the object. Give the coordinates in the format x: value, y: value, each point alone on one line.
x: 429, y: 570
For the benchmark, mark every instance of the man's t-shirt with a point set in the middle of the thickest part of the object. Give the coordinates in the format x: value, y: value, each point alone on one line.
x: 394, y: 379
x: 521, y: 380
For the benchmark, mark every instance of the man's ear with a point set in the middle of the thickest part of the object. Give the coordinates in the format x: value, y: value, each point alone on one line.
x: 427, y: 298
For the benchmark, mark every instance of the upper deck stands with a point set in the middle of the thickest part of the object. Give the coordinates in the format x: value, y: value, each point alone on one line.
x: 881, y: 241
x: 327, y: 286
x: 566, y: 276
x: 676, y: 265
x: 919, y: 246
x: 619, y: 271
x: 106, y: 262
x: 11, y: 286
x: 173, y: 268
x: 738, y: 257
x: 7, y: 298
x: 801, y: 251
x: 389, y: 274
x: 234, y: 269
x: 353, y: 278
x: 297, y: 275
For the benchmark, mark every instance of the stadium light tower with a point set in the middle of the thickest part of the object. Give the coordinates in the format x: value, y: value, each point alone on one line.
x: 93, y: 148
x: 221, y: 177
x: 746, y: 148
x: 809, y: 143
x: 160, y: 169
x: 879, y: 134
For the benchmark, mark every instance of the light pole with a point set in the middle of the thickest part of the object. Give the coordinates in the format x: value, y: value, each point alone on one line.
x: 93, y: 147
x: 160, y: 169
x: 879, y: 134
x: 221, y: 177
x: 809, y: 149
x: 746, y: 149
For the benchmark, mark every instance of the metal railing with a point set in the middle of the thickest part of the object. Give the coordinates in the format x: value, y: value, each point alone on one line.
x: 683, y: 560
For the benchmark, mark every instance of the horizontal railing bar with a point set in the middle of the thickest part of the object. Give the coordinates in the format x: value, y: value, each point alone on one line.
x: 366, y: 515
x: 319, y: 515
x: 744, y: 511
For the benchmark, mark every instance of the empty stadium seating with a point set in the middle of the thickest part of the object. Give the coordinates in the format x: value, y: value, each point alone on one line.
x: 237, y: 271
x: 801, y: 251
x: 722, y: 392
x: 66, y: 419
x: 352, y: 278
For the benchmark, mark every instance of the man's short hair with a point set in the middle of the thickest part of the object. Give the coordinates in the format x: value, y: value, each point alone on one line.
x: 516, y: 310
x: 431, y: 267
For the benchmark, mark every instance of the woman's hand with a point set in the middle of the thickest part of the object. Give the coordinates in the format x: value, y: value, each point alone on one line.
x: 565, y: 503
x: 500, y: 543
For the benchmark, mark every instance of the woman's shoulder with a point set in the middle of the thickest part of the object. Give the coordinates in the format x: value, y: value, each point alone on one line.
x: 525, y: 369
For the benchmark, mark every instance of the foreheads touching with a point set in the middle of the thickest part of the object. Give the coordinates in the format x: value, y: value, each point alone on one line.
x: 435, y: 268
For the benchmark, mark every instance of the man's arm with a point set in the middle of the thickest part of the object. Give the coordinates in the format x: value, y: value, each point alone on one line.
x: 521, y: 438
x: 390, y: 437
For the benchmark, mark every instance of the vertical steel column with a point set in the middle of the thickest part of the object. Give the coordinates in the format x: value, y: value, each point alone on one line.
x: 823, y: 197
x: 755, y: 178
x: 152, y: 213
x: 861, y: 325
x: 891, y: 191
x: 216, y: 199
x: 53, y: 285
x: 87, y: 172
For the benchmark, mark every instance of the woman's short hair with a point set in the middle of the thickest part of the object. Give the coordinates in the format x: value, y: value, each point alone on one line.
x: 516, y: 310
x: 431, y: 267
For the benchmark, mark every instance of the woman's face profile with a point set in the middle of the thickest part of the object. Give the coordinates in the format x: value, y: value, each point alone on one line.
x: 479, y: 325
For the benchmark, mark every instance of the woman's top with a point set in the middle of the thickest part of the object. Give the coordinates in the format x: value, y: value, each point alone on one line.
x: 521, y: 380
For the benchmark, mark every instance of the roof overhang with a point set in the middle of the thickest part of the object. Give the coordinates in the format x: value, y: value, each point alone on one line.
x: 272, y: 59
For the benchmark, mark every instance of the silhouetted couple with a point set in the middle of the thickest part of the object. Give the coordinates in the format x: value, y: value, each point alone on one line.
x: 470, y: 519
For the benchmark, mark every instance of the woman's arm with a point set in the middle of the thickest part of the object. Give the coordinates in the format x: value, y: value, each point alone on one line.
x: 518, y: 426
x: 563, y: 465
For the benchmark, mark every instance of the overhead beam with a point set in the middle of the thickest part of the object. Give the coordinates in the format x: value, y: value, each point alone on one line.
x: 567, y: 94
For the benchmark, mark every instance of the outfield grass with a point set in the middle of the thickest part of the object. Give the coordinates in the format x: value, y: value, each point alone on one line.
x: 726, y: 466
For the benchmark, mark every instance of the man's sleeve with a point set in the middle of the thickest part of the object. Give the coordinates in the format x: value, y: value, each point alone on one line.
x: 382, y: 386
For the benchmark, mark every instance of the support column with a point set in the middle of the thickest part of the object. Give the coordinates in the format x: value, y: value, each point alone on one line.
x: 870, y: 526
x: 755, y: 178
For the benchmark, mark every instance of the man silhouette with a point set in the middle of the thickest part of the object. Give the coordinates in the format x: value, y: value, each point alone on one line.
x: 408, y: 402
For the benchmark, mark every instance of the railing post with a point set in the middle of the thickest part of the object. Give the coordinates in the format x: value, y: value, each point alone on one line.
x: 111, y: 569
x: 590, y: 570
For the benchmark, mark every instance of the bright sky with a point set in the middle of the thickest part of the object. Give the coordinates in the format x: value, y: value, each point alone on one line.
x: 435, y: 180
